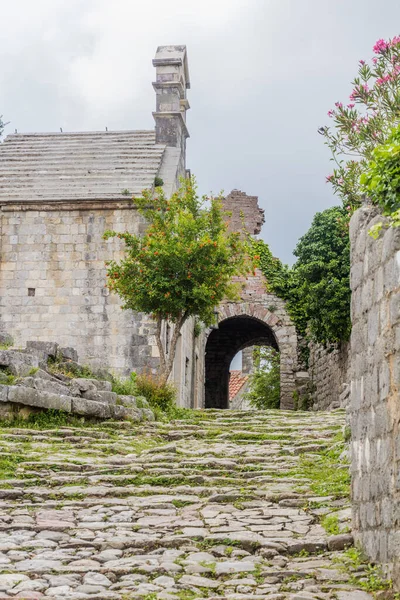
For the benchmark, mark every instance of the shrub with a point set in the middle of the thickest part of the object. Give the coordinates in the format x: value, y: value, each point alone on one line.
x: 366, y: 121
x: 264, y: 389
x: 381, y: 180
x: 125, y: 387
x: 159, y: 395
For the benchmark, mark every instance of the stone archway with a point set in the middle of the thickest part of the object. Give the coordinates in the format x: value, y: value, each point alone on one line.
x: 245, y: 324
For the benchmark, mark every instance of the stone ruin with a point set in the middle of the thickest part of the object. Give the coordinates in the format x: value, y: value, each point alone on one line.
x: 37, y: 387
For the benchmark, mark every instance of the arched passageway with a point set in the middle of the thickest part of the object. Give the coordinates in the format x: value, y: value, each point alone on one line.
x: 233, y: 334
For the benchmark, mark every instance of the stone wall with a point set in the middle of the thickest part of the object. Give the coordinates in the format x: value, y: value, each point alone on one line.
x: 374, y: 399
x: 52, y: 281
x: 329, y: 375
x: 53, y: 277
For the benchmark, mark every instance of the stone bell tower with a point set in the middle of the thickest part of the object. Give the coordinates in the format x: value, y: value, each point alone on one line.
x: 172, y: 81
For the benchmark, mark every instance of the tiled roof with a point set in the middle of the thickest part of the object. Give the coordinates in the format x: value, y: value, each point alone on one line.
x: 236, y: 382
x: 77, y: 166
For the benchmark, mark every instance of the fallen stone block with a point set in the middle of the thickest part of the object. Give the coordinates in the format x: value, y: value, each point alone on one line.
x: 31, y: 397
x: 121, y: 412
x: 49, y: 348
x: 46, y: 385
x: 100, y: 396
x: 129, y: 401
x: 19, y: 363
x: 69, y: 354
x: 101, y: 384
x: 78, y: 386
x: 4, y: 393
x: 90, y: 408
x: 147, y: 414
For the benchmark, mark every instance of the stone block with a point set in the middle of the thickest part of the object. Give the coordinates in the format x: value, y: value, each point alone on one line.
x: 123, y: 413
x: 19, y: 363
x: 69, y: 354
x: 79, y: 386
x: 340, y: 542
x: 46, y: 385
x: 48, y: 348
x: 100, y: 396
x: 4, y: 393
x: 90, y: 408
x: 31, y: 397
x: 128, y: 401
x: 101, y: 384
x: 148, y: 414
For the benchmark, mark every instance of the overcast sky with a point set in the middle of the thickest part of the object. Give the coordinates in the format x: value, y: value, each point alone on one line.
x: 264, y: 73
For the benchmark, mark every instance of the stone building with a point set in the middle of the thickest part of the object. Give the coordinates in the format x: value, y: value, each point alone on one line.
x: 59, y: 192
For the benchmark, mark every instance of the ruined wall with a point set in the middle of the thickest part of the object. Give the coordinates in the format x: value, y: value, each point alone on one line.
x: 374, y: 398
x: 329, y: 374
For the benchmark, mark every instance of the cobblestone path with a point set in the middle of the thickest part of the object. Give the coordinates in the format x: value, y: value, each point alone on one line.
x: 217, y: 506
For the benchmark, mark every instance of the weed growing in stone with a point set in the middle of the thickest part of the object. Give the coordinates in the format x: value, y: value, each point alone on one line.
x: 363, y: 574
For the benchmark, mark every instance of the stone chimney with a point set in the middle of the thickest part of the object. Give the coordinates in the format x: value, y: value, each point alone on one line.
x: 172, y: 81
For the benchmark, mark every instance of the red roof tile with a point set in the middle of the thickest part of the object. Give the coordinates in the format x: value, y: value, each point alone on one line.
x: 236, y: 382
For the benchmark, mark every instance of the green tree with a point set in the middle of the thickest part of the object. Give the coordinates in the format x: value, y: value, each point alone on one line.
x: 265, y: 383
x: 322, y: 277
x: 183, y: 264
x: 317, y: 287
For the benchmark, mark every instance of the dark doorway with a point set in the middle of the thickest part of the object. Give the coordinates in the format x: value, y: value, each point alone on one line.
x: 232, y: 335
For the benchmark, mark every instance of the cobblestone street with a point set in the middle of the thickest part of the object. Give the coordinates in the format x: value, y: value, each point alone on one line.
x: 220, y: 505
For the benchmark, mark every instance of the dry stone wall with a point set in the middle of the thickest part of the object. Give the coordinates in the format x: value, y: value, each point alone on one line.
x: 329, y: 374
x: 374, y: 398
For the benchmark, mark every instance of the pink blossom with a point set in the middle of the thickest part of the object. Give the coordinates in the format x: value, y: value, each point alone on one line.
x: 348, y: 207
x: 340, y: 181
x: 374, y: 60
x: 331, y: 113
x: 329, y: 178
x: 395, y: 40
x: 350, y: 105
x: 383, y: 80
x: 338, y: 104
x: 362, y: 62
x: 380, y: 47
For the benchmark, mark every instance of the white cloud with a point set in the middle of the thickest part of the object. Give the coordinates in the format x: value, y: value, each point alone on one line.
x: 264, y: 73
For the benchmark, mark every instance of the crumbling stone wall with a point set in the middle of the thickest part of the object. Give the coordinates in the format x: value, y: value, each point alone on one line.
x: 329, y: 374
x: 374, y: 398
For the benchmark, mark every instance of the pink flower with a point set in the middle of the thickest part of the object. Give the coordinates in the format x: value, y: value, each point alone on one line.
x: 362, y: 62
x: 350, y: 105
x: 348, y: 207
x: 395, y: 40
x: 340, y: 181
x: 329, y: 178
x: 374, y: 60
x: 331, y: 113
x: 380, y: 47
x: 338, y: 104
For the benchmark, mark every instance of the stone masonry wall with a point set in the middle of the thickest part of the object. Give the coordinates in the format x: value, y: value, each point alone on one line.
x: 329, y: 374
x: 52, y: 279
x: 374, y: 399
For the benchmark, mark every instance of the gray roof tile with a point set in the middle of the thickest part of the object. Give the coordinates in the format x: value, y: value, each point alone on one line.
x: 77, y: 166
